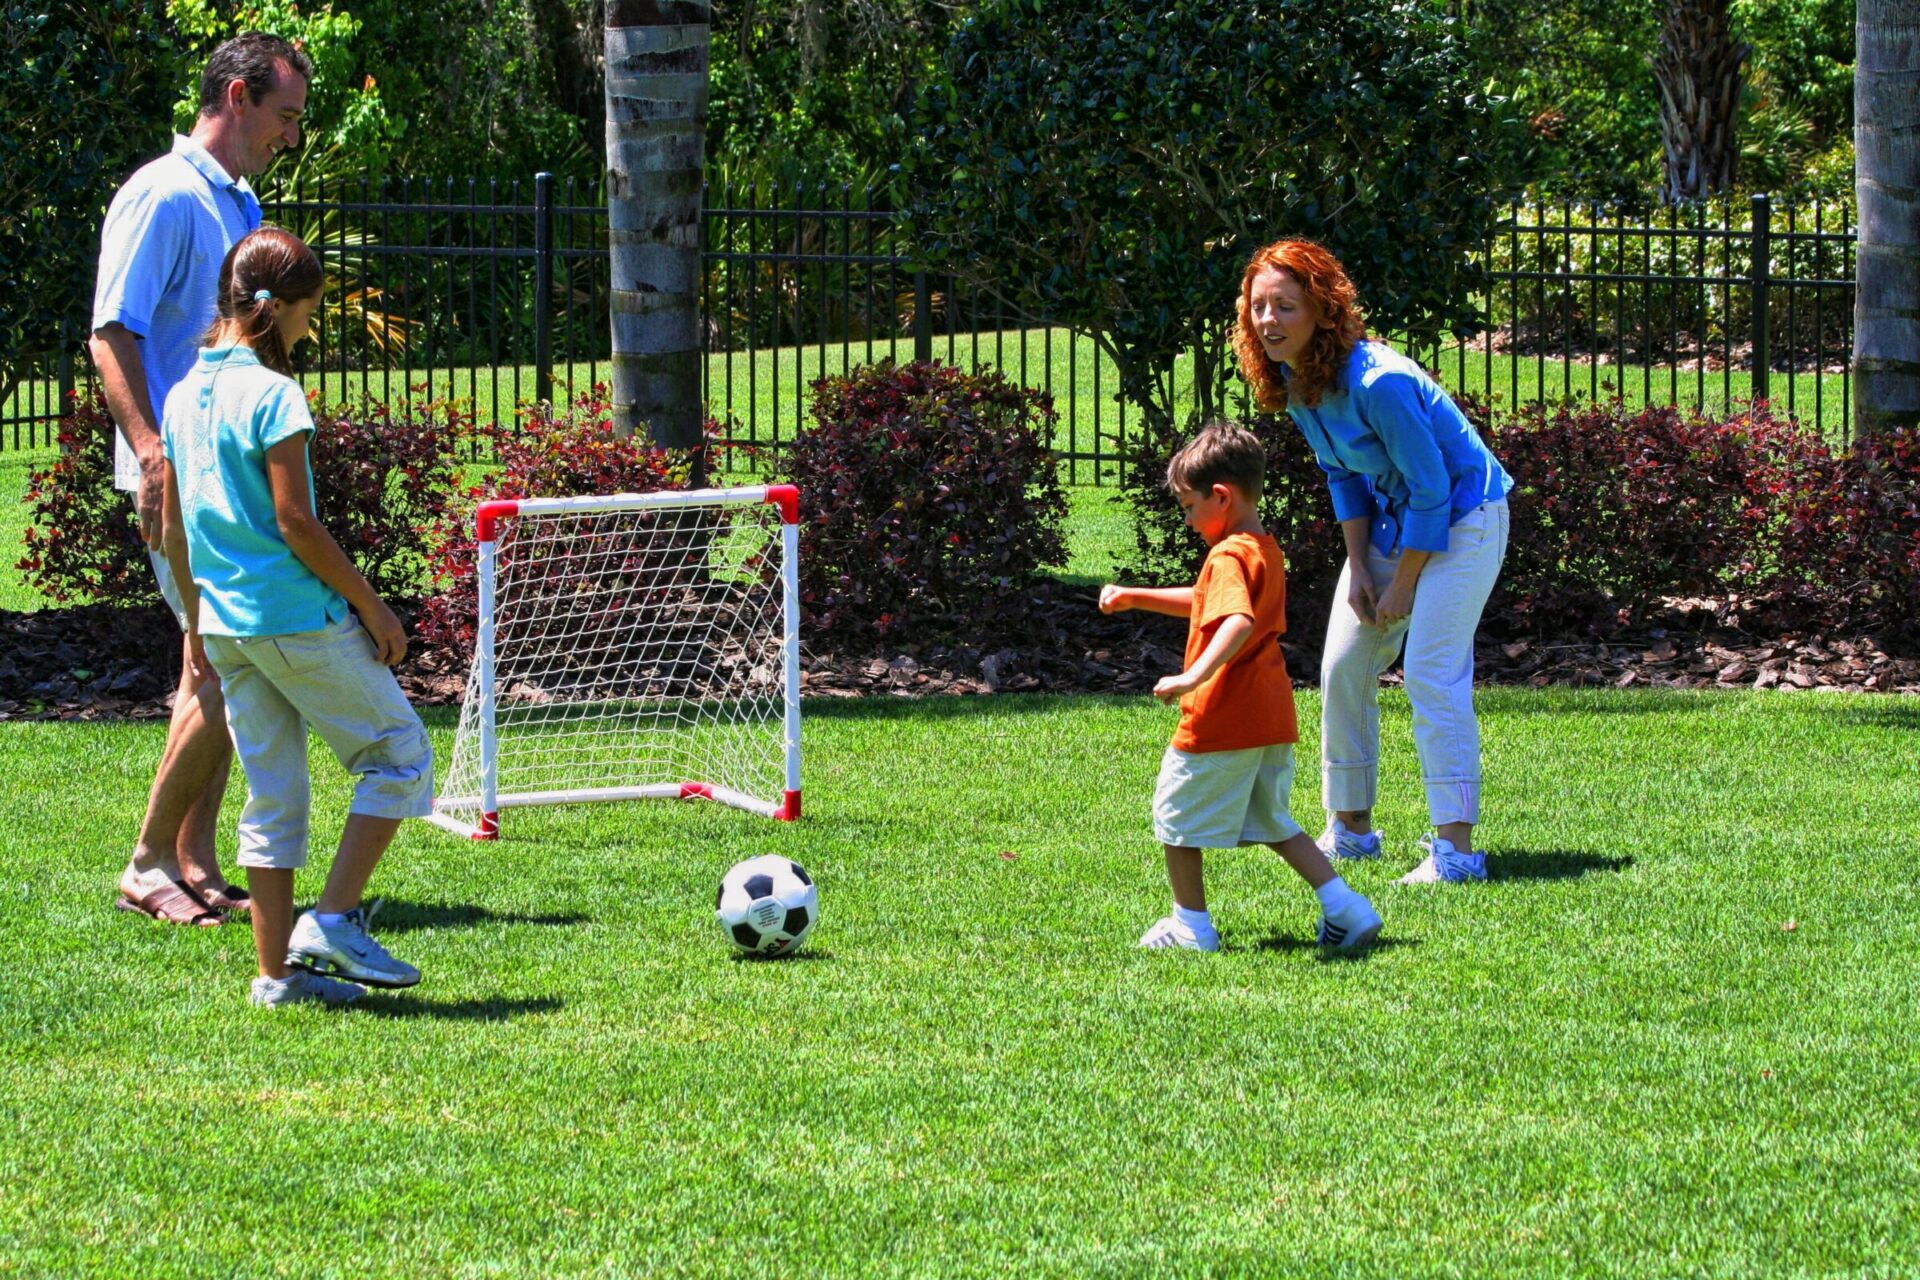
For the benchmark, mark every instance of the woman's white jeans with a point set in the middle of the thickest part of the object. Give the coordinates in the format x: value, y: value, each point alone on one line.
x: 1438, y: 635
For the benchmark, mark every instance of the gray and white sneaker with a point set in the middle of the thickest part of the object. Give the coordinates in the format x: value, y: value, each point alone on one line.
x: 301, y: 987
x: 1338, y: 842
x: 1445, y: 864
x: 346, y: 950
x: 1355, y: 925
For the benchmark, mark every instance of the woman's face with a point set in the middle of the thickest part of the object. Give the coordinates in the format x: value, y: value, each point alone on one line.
x: 1284, y: 317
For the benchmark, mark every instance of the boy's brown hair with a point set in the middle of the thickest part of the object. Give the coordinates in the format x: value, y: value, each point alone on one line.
x: 1223, y: 453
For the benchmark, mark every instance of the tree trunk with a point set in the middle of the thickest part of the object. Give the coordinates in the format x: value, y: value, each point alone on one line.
x: 656, y: 163
x: 1698, y: 71
x: 1886, y: 137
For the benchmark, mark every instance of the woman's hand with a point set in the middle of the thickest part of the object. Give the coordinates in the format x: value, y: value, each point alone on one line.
x: 389, y: 637
x: 1360, y: 592
x: 1395, y: 603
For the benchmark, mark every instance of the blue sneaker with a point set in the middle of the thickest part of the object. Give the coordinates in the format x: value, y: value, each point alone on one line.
x: 1445, y: 864
x: 1338, y: 842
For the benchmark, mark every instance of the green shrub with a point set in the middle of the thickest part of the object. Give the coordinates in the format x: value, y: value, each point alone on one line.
x: 1110, y: 165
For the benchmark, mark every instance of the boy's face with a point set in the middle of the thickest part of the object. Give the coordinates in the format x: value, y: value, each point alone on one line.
x: 1209, y: 513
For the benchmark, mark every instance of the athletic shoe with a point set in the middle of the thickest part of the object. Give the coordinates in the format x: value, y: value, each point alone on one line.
x: 1338, y: 842
x: 346, y: 949
x: 1355, y: 925
x: 1445, y: 864
x: 301, y: 987
x: 1167, y: 933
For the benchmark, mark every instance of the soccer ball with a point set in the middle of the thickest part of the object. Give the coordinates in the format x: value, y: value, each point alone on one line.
x: 766, y: 905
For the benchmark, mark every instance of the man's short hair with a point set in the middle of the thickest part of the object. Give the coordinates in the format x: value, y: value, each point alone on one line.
x: 254, y: 57
x: 1223, y: 453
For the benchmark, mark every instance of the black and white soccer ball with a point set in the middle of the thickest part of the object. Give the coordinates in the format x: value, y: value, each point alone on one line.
x: 767, y: 905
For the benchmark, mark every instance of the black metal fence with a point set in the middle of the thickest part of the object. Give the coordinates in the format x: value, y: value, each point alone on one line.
x: 496, y: 294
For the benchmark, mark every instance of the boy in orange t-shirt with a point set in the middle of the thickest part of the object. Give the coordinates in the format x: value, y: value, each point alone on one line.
x: 1224, y: 779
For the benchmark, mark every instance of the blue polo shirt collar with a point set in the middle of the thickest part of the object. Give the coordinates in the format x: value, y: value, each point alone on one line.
x: 202, y: 160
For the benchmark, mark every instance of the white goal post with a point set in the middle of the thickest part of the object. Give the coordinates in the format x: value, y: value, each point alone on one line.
x: 635, y: 646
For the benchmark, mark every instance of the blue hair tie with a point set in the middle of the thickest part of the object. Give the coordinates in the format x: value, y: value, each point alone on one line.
x: 262, y: 295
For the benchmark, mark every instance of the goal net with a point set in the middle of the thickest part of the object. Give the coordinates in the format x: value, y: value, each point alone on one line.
x: 632, y: 647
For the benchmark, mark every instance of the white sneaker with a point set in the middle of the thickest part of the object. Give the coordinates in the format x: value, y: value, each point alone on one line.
x: 301, y: 987
x: 1355, y: 925
x: 1167, y: 933
x: 1338, y: 842
x: 347, y: 950
x: 1445, y: 864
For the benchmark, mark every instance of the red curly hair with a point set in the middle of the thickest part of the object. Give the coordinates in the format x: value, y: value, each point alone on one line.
x: 1325, y: 282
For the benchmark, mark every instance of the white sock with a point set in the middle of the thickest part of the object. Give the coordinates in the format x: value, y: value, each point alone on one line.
x: 1199, y: 921
x: 1335, y: 894
x: 328, y: 918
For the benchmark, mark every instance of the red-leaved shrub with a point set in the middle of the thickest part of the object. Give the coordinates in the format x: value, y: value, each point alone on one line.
x: 571, y: 452
x: 929, y: 502
x: 379, y: 478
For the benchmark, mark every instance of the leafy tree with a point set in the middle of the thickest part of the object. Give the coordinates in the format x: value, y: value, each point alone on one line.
x: 1111, y: 164
x: 84, y: 89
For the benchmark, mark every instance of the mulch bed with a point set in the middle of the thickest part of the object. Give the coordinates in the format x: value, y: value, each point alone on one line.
x: 98, y: 662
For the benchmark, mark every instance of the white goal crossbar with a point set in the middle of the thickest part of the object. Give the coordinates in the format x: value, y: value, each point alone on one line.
x: 635, y: 646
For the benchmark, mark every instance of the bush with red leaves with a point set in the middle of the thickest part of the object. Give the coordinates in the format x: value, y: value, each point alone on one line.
x: 380, y: 478
x: 929, y: 503
x: 573, y: 452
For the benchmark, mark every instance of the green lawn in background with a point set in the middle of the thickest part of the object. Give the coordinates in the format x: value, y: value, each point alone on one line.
x: 1672, y: 1036
x: 764, y: 393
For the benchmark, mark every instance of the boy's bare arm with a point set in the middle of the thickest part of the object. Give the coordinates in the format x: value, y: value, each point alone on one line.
x: 1228, y: 639
x: 1175, y: 602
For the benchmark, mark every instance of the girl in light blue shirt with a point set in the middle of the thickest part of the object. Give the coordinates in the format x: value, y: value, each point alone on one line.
x: 295, y: 632
x: 1422, y: 506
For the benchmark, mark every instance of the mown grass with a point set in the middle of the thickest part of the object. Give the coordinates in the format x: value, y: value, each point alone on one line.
x: 1672, y: 1036
x: 763, y: 394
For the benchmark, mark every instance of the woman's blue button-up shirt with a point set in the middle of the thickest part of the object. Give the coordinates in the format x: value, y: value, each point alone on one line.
x: 1397, y: 450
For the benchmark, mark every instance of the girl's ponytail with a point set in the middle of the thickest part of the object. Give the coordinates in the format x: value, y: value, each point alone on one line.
x: 264, y: 265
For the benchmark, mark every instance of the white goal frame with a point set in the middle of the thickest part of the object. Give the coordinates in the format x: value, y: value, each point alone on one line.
x: 481, y: 719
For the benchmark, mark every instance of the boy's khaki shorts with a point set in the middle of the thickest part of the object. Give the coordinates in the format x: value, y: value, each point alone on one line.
x: 1224, y: 799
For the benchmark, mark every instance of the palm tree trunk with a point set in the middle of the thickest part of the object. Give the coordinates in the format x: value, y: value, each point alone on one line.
x: 656, y: 164
x: 1698, y: 71
x: 1886, y: 136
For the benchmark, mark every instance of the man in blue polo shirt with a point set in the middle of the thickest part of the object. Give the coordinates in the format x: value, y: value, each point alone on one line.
x: 167, y: 232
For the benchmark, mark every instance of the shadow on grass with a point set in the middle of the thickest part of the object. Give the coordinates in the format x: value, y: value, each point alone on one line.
x: 804, y: 956
x: 1326, y: 955
x: 404, y: 917
x: 1553, y: 865
x: 381, y: 1005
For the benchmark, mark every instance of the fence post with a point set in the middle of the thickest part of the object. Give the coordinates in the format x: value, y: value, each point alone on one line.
x: 922, y: 317
x: 1762, y: 251
x: 66, y: 369
x: 543, y: 287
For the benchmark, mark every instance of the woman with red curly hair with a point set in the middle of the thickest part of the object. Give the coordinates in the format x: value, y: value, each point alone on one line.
x: 1422, y: 504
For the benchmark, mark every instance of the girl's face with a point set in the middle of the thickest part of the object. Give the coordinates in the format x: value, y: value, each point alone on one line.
x: 1284, y: 316
x: 294, y: 319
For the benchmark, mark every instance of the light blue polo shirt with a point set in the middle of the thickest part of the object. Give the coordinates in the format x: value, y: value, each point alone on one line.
x: 1397, y: 450
x: 166, y: 234
x: 218, y: 424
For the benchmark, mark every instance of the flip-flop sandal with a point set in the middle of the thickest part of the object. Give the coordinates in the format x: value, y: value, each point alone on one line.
x: 232, y: 898
x: 172, y: 903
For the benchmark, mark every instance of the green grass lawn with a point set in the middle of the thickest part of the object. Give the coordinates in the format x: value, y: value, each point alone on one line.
x: 763, y: 394
x: 1672, y: 1036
